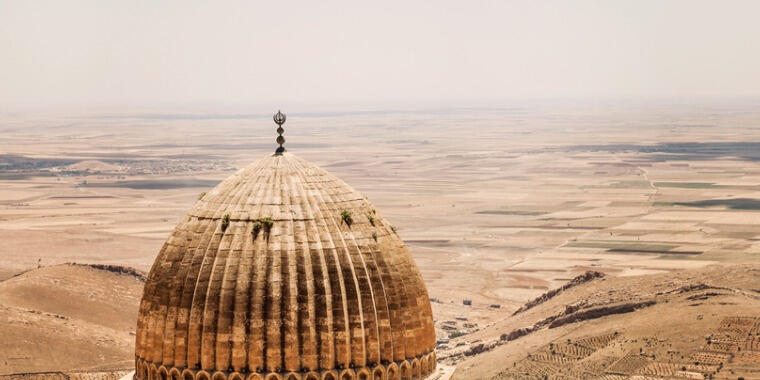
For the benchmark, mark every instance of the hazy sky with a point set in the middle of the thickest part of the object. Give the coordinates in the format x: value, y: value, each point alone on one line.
x: 362, y: 53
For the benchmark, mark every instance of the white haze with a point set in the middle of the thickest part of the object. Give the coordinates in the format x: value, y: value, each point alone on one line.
x: 372, y: 54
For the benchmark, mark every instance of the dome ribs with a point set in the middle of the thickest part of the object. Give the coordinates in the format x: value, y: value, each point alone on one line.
x: 227, y: 296
x: 244, y: 283
x: 425, y: 310
x: 230, y: 345
x: 240, y: 306
x: 256, y: 321
x: 355, y: 202
x: 257, y: 311
x: 199, y: 324
x: 308, y: 293
x: 369, y: 312
x: 321, y: 280
x: 399, y: 267
x: 160, y: 300
x: 369, y: 333
x: 323, y: 300
x: 302, y: 224
x: 395, y: 302
x: 379, y: 269
x: 364, y: 332
x: 158, y: 308
x: 195, y: 323
x: 176, y: 289
x: 204, y: 229
x: 404, y: 266
x: 290, y: 309
x: 385, y: 333
x: 340, y: 327
x: 379, y: 343
x: 334, y: 339
x: 231, y: 331
x: 273, y: 302
x: 272, y: 306
x: 210, y: 315
x: 145, y: 320
x: 355, y: 352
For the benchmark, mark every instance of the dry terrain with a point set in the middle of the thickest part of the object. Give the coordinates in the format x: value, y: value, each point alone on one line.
x: 498, y: 206
x: 691, y: 324
x: 68, y: 317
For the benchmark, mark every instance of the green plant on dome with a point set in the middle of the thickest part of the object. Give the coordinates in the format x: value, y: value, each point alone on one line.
x: 225, y: 222
x: 266, y: 223
x: 346, y: 216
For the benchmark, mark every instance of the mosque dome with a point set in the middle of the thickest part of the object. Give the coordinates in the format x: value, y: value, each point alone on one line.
x: 284, y: 272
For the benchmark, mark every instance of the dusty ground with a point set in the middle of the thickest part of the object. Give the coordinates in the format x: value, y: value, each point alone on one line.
x: 702, y: 323
x: 68, y: 317
x: 497, y: 205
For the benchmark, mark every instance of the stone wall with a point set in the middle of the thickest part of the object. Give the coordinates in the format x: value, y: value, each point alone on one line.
x: 414, y: 369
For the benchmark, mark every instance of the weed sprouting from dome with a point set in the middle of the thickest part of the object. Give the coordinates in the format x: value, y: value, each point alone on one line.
x: 346, y: 216
x: 225, y: 222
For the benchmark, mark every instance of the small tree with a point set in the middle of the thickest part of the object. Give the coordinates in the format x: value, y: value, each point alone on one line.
x: 225, y: 222
x: 256, y: 227
x: 346, y: 216
x: 266, y: 223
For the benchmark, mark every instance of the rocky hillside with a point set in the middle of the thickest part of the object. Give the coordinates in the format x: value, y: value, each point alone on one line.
x: 695, y: 324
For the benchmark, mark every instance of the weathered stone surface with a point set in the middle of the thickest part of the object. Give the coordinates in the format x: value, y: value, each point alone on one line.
x: 301, y: 293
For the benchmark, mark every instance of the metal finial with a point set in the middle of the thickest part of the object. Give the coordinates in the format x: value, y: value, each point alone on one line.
x: 280, y: 118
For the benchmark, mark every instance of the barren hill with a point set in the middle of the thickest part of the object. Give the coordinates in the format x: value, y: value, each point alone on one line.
x: 68, y: 317
x: 689, y: 324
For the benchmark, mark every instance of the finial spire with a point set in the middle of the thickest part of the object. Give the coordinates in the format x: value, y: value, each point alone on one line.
x: 280, y: 118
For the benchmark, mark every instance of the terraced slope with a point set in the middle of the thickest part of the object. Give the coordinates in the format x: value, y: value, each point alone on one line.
x: 694, y: 324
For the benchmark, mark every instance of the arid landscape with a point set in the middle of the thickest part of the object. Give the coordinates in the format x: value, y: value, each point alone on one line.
x: 646, y: 218
x: 392, y: 190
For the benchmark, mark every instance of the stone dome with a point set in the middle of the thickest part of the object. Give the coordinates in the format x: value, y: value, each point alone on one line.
x: 283, y: 271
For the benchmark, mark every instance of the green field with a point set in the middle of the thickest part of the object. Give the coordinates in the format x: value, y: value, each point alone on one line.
x: 632, y: 246
x: 688, y: 185
x: 734, y: 204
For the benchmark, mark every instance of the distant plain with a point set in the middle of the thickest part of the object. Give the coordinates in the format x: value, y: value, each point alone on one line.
x: 496, y: 205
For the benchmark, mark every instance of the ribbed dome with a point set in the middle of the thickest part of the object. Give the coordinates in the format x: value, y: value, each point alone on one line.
x: 324, y: 289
